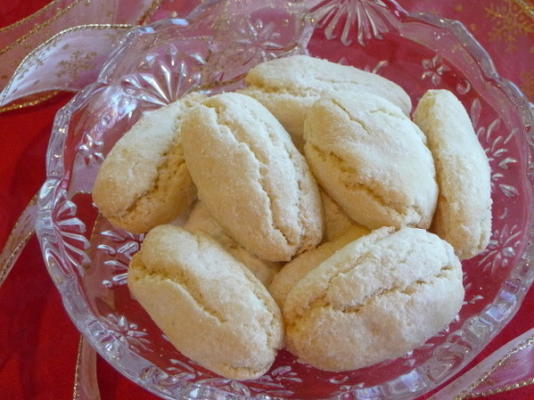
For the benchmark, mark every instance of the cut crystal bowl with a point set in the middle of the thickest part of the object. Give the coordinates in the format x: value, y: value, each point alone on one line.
x: 210, y: 50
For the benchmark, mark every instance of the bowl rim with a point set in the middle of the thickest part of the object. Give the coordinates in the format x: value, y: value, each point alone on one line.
x: 55, y: 174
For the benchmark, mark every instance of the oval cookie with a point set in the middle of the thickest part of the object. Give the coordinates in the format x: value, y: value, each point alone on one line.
x: 463, y: 213
x: 289, y: 86
x: 295, y: 270
x: 251, y: 177
x: 372, y: 160
x: 143, y: 182
x: 336, y: 222
x: 210, y: 306
x: 373, y: 300
x: 201, y: 220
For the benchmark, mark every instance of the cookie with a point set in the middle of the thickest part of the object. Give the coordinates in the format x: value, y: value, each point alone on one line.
x: 201, y: 220
x: 251, y: 178
x: 463, y: 213
x: 371, y: 160
x: 209, y: 305
x: 143, y: 182
x: 335, y: 220
x: 375, y: 299
x: 289, y: 86
x: 295, y: 270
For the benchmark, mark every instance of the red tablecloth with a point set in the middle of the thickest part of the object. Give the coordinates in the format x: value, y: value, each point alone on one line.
x: 38, y: 343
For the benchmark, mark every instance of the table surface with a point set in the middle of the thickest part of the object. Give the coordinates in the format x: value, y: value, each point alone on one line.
x: 38, y: 343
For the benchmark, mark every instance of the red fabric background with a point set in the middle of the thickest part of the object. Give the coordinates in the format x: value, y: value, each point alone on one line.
x: 38, y: 343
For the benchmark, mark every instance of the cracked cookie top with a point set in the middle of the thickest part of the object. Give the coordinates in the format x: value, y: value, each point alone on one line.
x: 372, y: 160
x: 192, y: 288
x: 251, y: 177
x: 143, y: 182
x: 374, y: 299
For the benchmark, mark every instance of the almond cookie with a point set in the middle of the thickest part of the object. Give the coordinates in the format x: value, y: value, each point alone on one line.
x: 463, y: 213
x: 373, y: 300
x: 143, y: 182
x: 372, y: 160
x: 336, y: 222
x: 251, y: 177
x: 295, y: 270
x: 289, y: 86
x: 210, y: 306
x: 201, y: 220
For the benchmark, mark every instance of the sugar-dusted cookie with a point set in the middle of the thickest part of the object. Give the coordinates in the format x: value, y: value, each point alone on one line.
x: 200, y: 220
x: 372, y: 160
x: 210, y: 306
x: 251, y: 177
x: 143, y: 182
x: 295, y: 270
x: 375, y: 299
x: 289, y: 86
x: 463, y: 213
x: 336, y: 222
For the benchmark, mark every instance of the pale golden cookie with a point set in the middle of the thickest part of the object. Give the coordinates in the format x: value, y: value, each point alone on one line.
x: 251, y: 177
x: 209, y: 305
x: 289, y: 86
x: 335, y: 220
x: 372, y: 160
x: 373, y: 300
x: 463, y: 213
x: 297, y: 269
x: 143, y: 182
x: 201, y: 220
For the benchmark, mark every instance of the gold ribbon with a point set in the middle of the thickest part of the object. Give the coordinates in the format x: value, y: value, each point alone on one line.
x: 466, y: 385
x: 470, y: 391
x: 42, y: 19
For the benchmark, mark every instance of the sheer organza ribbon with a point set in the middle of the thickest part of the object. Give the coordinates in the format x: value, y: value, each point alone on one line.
x: 62, y: 48
x: 510, y: 367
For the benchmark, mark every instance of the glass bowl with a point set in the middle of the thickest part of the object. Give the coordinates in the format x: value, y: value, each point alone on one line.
x: 211, y: 50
